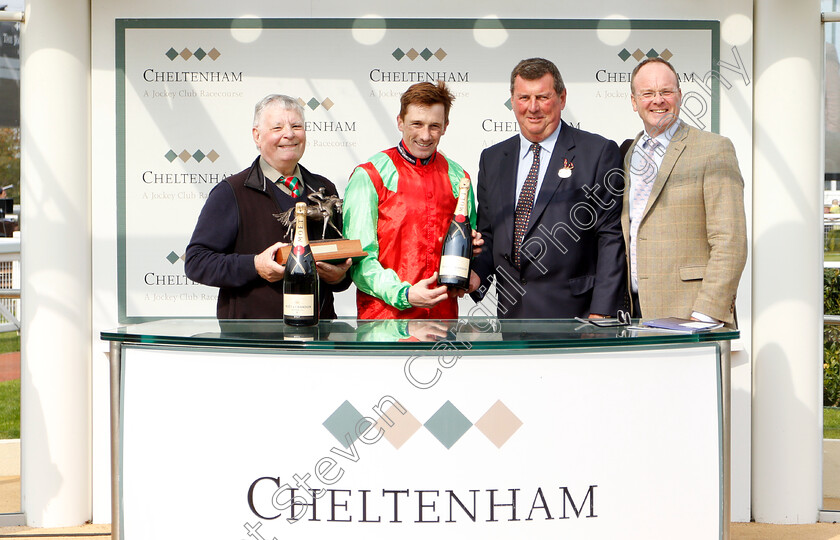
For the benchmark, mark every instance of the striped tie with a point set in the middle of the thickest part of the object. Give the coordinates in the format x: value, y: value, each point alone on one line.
x: 293, y: 184
x: 641, y: 194
x: 524, y: 205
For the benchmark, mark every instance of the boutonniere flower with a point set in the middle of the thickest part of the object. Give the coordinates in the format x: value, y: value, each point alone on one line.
x: 566, y: 171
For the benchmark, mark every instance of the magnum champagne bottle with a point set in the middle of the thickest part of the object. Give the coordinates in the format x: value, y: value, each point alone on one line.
x: 457, y: 244
x: 300, y: 283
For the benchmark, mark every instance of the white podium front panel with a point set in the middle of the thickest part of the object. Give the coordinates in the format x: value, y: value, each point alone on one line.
x: 603, y: 443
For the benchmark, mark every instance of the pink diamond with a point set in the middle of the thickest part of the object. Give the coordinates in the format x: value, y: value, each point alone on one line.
x: 498, y: 424
x: 405, y: 425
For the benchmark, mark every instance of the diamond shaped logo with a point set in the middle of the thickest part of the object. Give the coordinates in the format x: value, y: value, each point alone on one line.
x: 213, y: 156
x: 498, y: 424
x: 200, y: 54
x: 638, y: 55
x: 398, y: 54
x: 412, y: 54
x: 405, y: 425
x: 509, y: 105
x: 172, y: 257
x: 666, y: 55
x: 624, y: 54
x: 172, y: 54
x: 214, y: 54
x: 198, y: 155
x: 652, y: 53
x: 185, y: 54
x: 426, y: 54
x: 343, y: 422
x: 327, y: 104
x: 440, y: 54
x: 448, y: 424
x: 185, y: 156
x: 313, y: 103
x: 170, y: 156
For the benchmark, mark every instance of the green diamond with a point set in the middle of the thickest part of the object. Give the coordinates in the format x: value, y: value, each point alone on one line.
x: 426, y: 54
x: 171, y: 53
x: 448, y: 424
x: 652, y: 53
x: 198, y: 156
x: 624, y: 55
x: 199, y: 53
x: 313, y: 103
x: 172, y: 257
x: 509, y: 105
x: 398, y: 54
x: 170, y: 156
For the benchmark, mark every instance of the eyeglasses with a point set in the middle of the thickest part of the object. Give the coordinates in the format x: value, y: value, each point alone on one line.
x: 648, y: 95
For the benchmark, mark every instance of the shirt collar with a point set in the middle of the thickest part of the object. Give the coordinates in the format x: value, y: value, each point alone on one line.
x: 409, y: 157
x: 546, y: 144
x: 273, y: 175
x: 664, y: 138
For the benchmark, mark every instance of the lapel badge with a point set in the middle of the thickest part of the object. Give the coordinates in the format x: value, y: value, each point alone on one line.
x: 566, y: 171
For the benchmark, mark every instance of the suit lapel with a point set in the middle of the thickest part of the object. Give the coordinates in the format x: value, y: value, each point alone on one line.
x: 509, y: 165
x: 675, y: 149
x: 564, y: 149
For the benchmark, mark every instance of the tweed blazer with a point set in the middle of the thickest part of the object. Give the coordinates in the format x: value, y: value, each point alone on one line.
x: 692, y: 243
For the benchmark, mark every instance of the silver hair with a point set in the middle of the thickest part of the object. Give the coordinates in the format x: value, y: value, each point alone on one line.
x: 283, y: 101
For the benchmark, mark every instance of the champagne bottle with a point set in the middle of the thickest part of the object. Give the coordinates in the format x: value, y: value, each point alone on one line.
x: 457, y: 244
x: 300, y: 283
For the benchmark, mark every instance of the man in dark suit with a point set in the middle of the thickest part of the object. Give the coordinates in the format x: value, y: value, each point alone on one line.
x: 549, y: 209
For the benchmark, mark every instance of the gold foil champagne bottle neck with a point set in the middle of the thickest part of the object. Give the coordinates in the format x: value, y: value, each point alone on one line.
x: 463, y: 191
x: 301, y: 237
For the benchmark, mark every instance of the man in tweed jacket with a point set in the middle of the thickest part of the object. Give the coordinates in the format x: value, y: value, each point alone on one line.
x: 683, y: 208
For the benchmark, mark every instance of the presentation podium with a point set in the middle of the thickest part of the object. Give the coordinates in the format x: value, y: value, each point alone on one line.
x: 471, y: 428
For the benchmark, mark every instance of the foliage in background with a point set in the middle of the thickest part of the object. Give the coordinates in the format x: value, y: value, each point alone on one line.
x: 831, y: 339
x: 10, y: 161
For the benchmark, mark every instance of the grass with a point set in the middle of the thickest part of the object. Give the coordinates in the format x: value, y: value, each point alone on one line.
x: 831, y: 423
x: 9, y: 392
x: 10, y: 409
x: 9, y: 342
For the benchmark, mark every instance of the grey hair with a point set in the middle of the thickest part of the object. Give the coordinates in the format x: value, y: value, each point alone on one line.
x: 283, y: 101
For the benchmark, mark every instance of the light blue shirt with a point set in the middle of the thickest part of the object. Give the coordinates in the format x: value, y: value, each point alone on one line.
x: 640, y: 159
x: 526, y: 159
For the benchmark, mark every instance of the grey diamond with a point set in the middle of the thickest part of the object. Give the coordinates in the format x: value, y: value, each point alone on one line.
x: 448, y: 424
x: 343, y: 421
x: 170, y: 156
x: 172, y: 257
